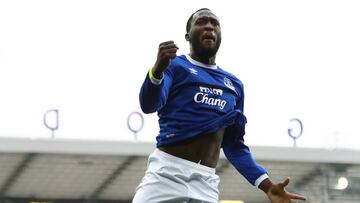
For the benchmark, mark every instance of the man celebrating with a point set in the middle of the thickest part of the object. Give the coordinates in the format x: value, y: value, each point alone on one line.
x: 200, y: 109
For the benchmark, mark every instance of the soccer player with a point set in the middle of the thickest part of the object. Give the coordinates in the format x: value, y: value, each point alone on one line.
x: 200, y: 109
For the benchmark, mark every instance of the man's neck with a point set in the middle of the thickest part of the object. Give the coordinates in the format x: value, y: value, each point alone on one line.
x: 205, y: 60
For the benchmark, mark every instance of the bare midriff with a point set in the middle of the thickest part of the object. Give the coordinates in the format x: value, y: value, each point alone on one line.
x: 203, y: 149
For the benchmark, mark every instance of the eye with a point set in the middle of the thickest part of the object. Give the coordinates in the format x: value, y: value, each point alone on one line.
x: 201, y: 21
x: 215, y: 22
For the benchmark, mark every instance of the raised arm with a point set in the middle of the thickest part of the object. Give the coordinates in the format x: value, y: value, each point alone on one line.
x: 167, y: 51
x: 155, y: 89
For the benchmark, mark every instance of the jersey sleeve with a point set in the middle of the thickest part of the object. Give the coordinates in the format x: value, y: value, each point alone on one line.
x: 238, y: 153
x: 153, y: 95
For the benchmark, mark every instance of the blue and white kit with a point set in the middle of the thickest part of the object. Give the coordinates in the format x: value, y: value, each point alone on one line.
x: 193, y: 99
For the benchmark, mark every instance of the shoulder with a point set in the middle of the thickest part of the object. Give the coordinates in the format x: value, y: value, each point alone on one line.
x: 233, y: 79
x: 178, y: 61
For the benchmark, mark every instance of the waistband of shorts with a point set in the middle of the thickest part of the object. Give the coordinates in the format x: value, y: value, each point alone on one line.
x: 177, y: 160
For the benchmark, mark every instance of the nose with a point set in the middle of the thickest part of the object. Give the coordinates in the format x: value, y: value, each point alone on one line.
x: 209, y: 26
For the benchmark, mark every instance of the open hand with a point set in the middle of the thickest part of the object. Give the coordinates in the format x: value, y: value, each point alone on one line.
x: 278, y: 194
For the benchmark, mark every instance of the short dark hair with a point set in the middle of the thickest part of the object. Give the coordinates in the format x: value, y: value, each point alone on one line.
x: 188, y: 24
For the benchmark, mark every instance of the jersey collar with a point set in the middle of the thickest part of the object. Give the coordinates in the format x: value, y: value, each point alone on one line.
x: 197, y: 63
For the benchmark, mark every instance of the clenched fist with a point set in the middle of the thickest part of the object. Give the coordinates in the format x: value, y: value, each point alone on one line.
x: 167, y: 51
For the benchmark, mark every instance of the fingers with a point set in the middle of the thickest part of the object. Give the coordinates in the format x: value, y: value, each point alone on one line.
x: 292, y: 195
x: 296, y: 196
x: 285, y: 183
x: 167, y: 50
x: 167, y: 43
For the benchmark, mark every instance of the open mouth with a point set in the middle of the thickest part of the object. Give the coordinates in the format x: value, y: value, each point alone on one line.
x: 208, y: 37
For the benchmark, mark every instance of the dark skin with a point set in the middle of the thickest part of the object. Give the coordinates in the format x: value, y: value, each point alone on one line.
x: 204, y: 38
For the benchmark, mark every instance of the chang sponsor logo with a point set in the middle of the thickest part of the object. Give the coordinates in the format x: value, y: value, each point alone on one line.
x: 204, y: 97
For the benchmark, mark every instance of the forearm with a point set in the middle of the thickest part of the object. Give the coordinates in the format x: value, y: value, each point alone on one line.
x: 155, y: 89
x: 240, y: 156
x: 150, y: 94
x: 253, y: 172
x: 157, y: 73
x: 265, y: 185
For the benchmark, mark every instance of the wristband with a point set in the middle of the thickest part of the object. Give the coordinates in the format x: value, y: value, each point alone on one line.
x: 154, y: 80
x: 150, y: 74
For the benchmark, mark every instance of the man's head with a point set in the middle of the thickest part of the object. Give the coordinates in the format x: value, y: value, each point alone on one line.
x: 203, y: 33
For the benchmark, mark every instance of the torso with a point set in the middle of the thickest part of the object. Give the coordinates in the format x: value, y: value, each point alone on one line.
x: 203, y: 149
x: 200, y: 99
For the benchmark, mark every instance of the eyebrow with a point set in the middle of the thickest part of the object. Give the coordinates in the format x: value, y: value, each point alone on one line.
x: 211, y: 17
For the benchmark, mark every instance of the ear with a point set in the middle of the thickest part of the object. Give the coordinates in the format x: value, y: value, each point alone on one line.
x: 187, y: 37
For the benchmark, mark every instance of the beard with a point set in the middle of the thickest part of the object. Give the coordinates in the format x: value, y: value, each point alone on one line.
x: 202, y: 51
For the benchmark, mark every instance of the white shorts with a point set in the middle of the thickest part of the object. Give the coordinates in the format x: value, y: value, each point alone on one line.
x: 170, y: 179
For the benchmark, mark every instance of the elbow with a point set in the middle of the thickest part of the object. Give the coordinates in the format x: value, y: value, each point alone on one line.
x: 147, y: 109
x: 148, y: 103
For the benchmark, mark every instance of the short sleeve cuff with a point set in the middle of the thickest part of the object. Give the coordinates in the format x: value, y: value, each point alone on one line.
x: 154, y: 80
x: 261, y: 179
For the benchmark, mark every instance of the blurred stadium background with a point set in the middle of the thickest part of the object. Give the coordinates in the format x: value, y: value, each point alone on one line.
x: 78, y: 171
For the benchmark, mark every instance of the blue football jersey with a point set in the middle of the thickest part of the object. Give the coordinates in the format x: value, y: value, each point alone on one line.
x: 194, y: 99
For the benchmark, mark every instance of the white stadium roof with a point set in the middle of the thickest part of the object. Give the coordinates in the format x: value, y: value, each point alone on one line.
x: 58, y: 170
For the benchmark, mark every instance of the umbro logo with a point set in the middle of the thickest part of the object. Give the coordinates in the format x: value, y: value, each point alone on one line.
x: 193, y: 71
